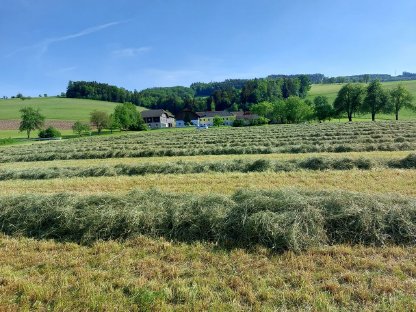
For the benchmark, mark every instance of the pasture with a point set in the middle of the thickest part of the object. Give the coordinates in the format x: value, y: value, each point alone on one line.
x: 280, y: 217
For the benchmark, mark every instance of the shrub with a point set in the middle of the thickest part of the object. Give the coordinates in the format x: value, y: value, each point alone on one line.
x: 49, y: 132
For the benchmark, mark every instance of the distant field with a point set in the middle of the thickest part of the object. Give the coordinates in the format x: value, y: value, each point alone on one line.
x: 54, y: 108
x: 331, y: 90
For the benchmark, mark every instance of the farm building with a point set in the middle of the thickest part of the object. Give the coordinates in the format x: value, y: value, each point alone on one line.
x: 207, y: 118
x: 158, y: 118
x: 185, y: 117
x: 246, y: 117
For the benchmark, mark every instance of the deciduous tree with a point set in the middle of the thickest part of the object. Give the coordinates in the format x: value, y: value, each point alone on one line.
x: 376, y: 100
x: 99, y: 119
x: 31, y: 119
x: 349, y: 99
x: 401, y: 97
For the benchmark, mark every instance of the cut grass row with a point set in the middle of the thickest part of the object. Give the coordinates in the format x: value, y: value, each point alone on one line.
x: 181, y: 167
x: 148, y: 274
x: 287, y: 219
x: 375, y: 156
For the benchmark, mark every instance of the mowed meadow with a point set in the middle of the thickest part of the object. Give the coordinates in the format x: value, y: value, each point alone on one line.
x: 309, y: 217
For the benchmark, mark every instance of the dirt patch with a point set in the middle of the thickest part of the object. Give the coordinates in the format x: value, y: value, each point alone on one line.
x: 59, y: 124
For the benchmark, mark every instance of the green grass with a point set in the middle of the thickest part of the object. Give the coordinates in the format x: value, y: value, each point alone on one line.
x: 55, y: 108
x: 331, y: 90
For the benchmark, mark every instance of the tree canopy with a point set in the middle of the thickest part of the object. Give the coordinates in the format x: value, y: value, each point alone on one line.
x: 31, y: 119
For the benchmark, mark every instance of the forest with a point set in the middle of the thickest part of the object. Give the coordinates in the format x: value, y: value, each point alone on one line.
x: 230, y: 94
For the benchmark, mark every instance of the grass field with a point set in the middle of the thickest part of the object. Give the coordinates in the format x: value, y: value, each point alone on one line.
x: 54, y: 108
x: 307, y: 240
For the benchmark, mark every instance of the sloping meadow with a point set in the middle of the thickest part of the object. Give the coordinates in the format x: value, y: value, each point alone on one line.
x: 289, y: 219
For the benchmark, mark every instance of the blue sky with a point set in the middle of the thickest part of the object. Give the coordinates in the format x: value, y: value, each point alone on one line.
x: 141, y: 44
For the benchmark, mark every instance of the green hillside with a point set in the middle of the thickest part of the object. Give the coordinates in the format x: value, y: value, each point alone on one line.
x: 331, y: 90
x: 55, y: 108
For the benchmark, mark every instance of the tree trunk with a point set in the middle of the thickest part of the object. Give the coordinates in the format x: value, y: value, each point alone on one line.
x: 28, y: 134
x: 373, y: 116
x: 397, y: 115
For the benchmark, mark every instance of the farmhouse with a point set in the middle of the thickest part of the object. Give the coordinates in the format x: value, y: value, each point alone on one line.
x: 158, y: 118
x: 246, y: 117
x: 207, y: 118
x: 185, y: 117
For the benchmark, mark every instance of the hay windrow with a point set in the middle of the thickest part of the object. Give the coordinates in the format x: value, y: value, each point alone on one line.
x: 288, y: 219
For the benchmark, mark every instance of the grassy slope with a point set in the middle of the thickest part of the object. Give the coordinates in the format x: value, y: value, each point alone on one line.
x: 331, y: 90
x: 54, y: 108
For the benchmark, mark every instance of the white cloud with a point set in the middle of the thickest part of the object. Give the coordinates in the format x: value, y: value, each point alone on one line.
x: 44, y: 44
x: 130, y: 52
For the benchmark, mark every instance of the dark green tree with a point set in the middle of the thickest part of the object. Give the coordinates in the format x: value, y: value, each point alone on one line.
x: 323, y: 110
x: 100, y: 120
x: 31, y: 119
x: 376, y: 100
x: 349, y: 99
x: 400, y: 98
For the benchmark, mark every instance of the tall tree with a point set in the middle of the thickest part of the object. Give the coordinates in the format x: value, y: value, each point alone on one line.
x: 31, y: 119
x: 263, y: 109
x: 401, y: 97
x: 376, y: 100
x: 126, y: 115
x: 296, y: 110
x: 100, y: 120
x: 349, y: 99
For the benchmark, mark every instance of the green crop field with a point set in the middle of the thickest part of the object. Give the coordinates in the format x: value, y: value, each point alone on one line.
x: 310, y: 217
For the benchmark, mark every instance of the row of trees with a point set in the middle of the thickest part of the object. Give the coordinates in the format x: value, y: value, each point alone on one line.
x: 290, y: 110
x: 351, y: 99
x: 124, y: 117
x: 373, y: 99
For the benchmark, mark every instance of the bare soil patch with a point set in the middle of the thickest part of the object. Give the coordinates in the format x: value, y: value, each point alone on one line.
x: 59, y: 124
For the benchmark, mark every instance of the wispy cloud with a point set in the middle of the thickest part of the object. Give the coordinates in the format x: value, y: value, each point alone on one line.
x: 43, y: 46
x: 130, y: 52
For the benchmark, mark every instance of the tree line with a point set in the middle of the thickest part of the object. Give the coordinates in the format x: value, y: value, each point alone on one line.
x: 231, y: 94
x: 352, y: 98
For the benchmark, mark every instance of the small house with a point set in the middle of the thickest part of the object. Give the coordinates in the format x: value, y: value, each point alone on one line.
x: 207, y: 118
x: 158, y: 118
